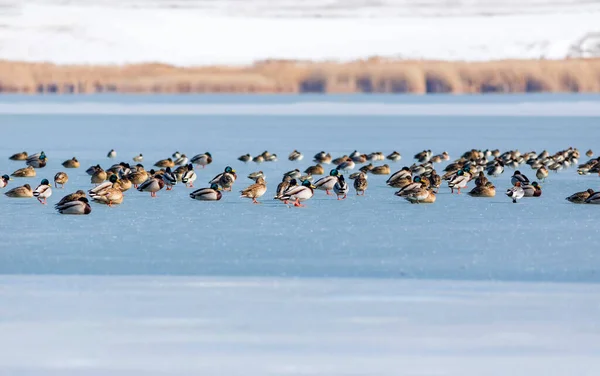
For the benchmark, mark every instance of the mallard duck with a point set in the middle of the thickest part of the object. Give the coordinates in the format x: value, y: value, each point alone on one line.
x: 361, y: 184
x: 380, y: 170
x: 189, y: 177
x: 326, y: 184
x: 207, y: 194
x: 256, y: 175
x: 435, y: 180
x: 341, y: 188
x: 542, y: 173
x: 71, y: 163
x: 593, y: 199
x: 516, y: 192
x: 70, y: 197
x: 486, y: 190
x: 90, y: 171
x: 111, y: 154
x: 225, y: 179
x: 420, y: 195
x: 322, y: 157
x: 124, y: 184
x: 283, y: 186
x: 152, y: 185
x: 37, y: 160
x: 112, y: 180
x: 79, y: 206
x: 362, y: 158
x: 255, y: 191
x: 182, y: 161
x: 402, y: 174
x: 519, y: 177
x: 109, y: 193
x: 258, y: 159
x: 138, y: 158
x: 176, y: 155
x: 346, y: 165
x: 401, y: 183
x: 139, y: 176
x: 245, y: 158
x: 532, y: 190
x: 459, y: 181
x: 271, y: 158
x: 410, y: 188
x: 366, y: 168
x: 588, y: 153
x: 294, y: 174
x: 4, y: 181
x: 165, y: 163
x: 19, y: 156
x: 99, y: 176
x: 20, y: 192
x: 60, y: 178
x: 315, y: 170
x: 27, y: 172
x: 496, y: 169
x: 423, y: 156
x: 394, y: 156
x: 202, y: 159
x: 298, y: 193
x: 580, y: 197
x: 295, y: 156
x: 169, y: 178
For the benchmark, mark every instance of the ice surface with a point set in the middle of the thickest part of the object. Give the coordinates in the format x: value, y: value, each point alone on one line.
x: 380, y: 235
x: 233, y: 32
x: 124, y: 326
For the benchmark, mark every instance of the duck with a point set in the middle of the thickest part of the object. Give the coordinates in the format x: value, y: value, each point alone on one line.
x: 124, y: 184
x: 256, y: 175
x: 169, y: 178
x: 435, y: 180
x: 294, y: 174
x: 80, y: 206
x: 304, y: 177
x: 496, y: 169
x: 366, y: 168
x: 207, y: 194
x: 593, y: 199
x: 23, y: 191
x: 361, y: 184
x: 225, y: 179
x: 322, y: 157
x: 315, y: 170
x: 71, y: 163
x: 70, y: 197
x: 346, y: 165
x: 61, y: 178
x: 481, y: 180
x: 202, y: 159
x: 362, y: 158
x: 138, y: 158
x: 394, y: 156
x: 139, y: 176
x: 410, y: 188
x: 245, y: 158
x: 327, y: 183
x: 27, y: 172
x: 588, y: 153
x: 402, y: 174
x: 189, y: 177
x: 381, y: 170
x: 341, y: 188
x: 519, y: 177
x: 152, y: 185
x: 516, y: 192
x: 99, y: 176
x: 541, y: 173
x: 339, y: 160
x: 4, y: 181
x: 486, y: 190
x: 258, y: 159
x: 459, y: 181
x: 112, y: 180
x: 37, y: 160
x: 176, y: 155
x: 90, y: 171
x: 110, y: 194
x: 295, y: 156
x: 532, y: 190
x: 22, y: 156
x: 580, y: 197
x: 286, y: 182
x: 111, y: 154
x: 182, y: 161
x: 271, y: 158
x: 165, y: 163
x: 255, y: 191
x: 423, y: 156
x: 298, y: 193
x: 421, y: 195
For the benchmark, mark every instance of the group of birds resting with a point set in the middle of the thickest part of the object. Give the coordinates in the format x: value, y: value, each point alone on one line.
x: 417, y: 184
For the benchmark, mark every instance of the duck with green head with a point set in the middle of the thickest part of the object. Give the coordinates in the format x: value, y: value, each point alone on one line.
x: 328, y: 182
x: 4, y: 180
x: 299, y: 193
x: 43, y: 191
x: 207, y: 194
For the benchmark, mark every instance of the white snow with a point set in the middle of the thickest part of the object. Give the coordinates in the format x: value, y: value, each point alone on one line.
x: 52, y: 325
x: 232, y: 32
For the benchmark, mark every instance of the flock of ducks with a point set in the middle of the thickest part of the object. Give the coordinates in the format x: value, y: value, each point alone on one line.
x: 417, y: 184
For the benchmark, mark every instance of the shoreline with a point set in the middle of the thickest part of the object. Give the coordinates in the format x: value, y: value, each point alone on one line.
x: 373, y: 75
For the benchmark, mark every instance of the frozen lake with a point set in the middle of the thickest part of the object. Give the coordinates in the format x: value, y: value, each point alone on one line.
x: 365, y: 286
